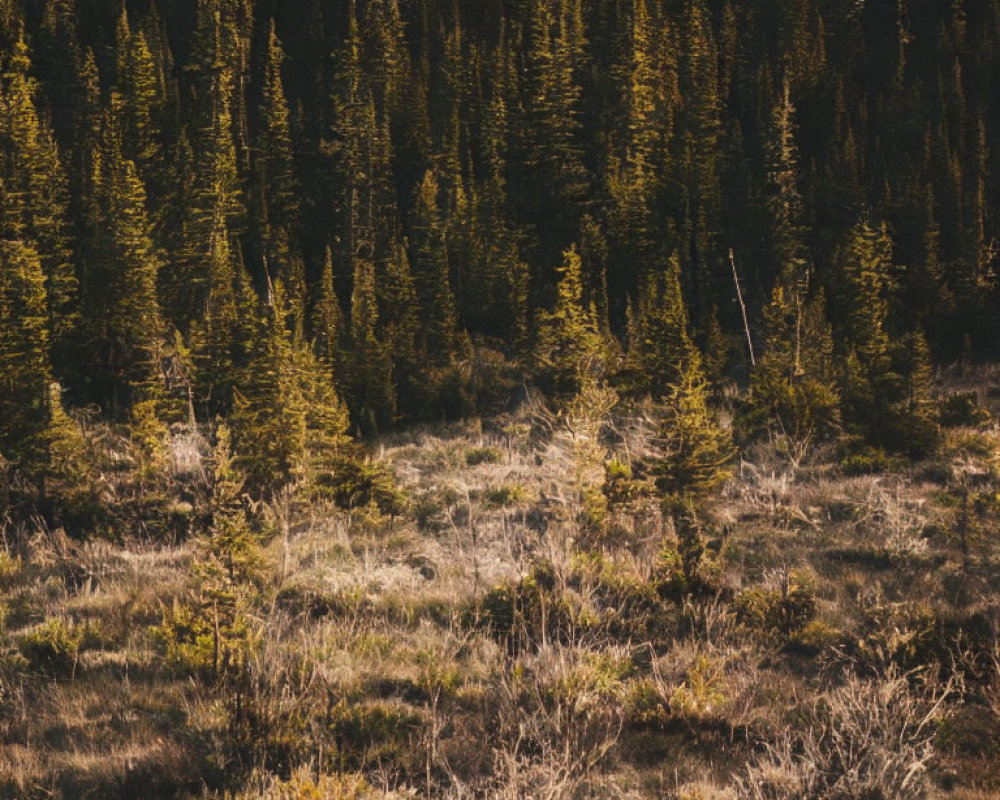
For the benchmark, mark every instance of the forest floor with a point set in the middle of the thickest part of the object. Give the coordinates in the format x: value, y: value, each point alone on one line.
x: 512, y: 635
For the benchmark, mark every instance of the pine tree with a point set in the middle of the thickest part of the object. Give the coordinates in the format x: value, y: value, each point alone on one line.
x: 441, y: 341
x: 64, y: 471
x: 57, y: 61
x: 570, y: 352
x: 693, y: 450
x: 25, y: 372
x: 660, y: 345
x: 554, y: 55
x: 882, y: 383
x: 141, y: 89
x: 868, y: 274
x: 647, y: 76
x: 269, y: 410
x: 287, y: 419
x: 33, y: 174
x: 216, y: 336
x: 326, y: 322
x: 277, y: 187
x: 698, y: 148
x: 784, y: 203
x: 793, y: 384
x: 369, y: 378
x: 178, y: 284
x: 399, y: 326
x: 124, y: 320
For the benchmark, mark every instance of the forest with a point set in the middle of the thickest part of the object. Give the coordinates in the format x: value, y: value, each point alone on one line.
x: 510, y: 398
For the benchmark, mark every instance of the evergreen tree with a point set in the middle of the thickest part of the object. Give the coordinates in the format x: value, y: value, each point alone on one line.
x: 141, y: 90
x: 135, y: 327
x: 693, y: 450
x: 32, y: 173
x: 125, y: 323
x: 277, y: 202
x: 287, y: 418
x: 570, y: 351
x: 25, y: 372
x: 660, y: 345
x: 326, y: 322
x: 369, y: 377
x: 554, y: 54
x: 441, y: 341
x: 214, y: 339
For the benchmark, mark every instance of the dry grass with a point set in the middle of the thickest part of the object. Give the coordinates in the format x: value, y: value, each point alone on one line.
x: 376, y: 672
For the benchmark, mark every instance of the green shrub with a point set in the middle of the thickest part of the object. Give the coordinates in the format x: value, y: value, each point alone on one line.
x: 619, y: 486
x: 703, y: 692
x: 356, y: 483
x: 803, y: 408
x: 962, y: 409
x: 860, y: 459
x: 53, y: 646
x: 522, y: 615
x: 504, y: 496
x: 483, y: 455
x: 783, y: 611
x: 370, y: 732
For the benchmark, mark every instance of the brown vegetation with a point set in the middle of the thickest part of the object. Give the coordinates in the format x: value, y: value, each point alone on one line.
x: 525, y: 620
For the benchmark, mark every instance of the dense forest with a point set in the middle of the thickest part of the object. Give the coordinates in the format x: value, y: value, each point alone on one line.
x: 569, y: 369
x: 413, y: 175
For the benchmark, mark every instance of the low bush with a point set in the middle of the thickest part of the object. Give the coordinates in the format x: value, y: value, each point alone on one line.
x: 53, y: 646
x: 483, y: 455
x: 962, y: 409
x: 783, y: 611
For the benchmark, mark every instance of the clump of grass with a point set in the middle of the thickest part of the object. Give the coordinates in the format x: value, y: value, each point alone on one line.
x: 504, y: 496
x: 483, y: 455
x: 53, y: 646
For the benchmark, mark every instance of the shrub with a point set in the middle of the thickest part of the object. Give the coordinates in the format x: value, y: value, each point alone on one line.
x: 53, y: 646
x: 356, y: 483
x: 867, y: 739
x: 861, y: 459
x: 619, y: 486
x: 483, y: 455
x: 366, y: 732
x: 784, y: 611
x: 304, y: 784
x: 803, y: 408
x: 703, y: 692
x: 504, y: 496
x: 534, y: 611
x: 962, y: 409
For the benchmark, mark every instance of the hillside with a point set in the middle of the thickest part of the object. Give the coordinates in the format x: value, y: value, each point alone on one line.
x: 499, y: 398
x: 512, y: 631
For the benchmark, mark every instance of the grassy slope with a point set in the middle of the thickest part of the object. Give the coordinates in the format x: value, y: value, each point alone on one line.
x: 374, y: 657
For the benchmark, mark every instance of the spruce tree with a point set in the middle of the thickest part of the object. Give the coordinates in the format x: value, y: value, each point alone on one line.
x: 659, y: 342
x: 287, y: 420
x: 141, y: 89
x: 570, y: 352
x: 441, y: 340
x: 32, y: 173
x: 326, y: 320
x: 369, y: 368
x: 213, y: 340
x: 693, y: 451
x: 136, y: 331
x: 276, y: 184
x: 25, y: 371
x: 793, y: 385
x: 269, y: 409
